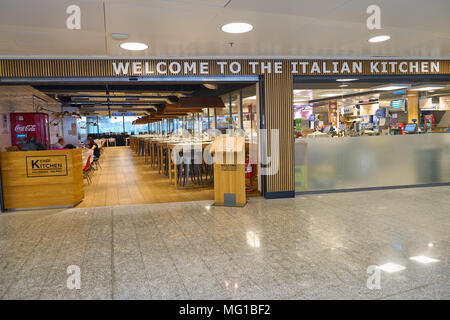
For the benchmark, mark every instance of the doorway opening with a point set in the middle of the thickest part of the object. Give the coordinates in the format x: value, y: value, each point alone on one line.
x: 113, y: 113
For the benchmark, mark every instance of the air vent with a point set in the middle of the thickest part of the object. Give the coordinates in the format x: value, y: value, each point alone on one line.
x: 119, y: 36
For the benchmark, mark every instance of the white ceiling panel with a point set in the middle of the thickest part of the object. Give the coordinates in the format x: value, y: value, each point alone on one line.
x: 192, y: 28
x: 210, y: 3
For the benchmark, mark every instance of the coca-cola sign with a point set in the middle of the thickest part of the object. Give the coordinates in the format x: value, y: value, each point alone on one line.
x: 28, y: 128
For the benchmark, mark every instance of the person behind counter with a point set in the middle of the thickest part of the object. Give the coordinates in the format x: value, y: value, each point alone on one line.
x: 60, y: 144
x: 93, y: 146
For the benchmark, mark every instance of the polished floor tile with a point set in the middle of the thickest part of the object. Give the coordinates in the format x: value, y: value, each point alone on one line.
x: 310, y: 247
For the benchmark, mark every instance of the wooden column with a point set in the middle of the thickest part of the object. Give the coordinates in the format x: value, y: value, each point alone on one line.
x: 278, y: 90
x: 413, y: 107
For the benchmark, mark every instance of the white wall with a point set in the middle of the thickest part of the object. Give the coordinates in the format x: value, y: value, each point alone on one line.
x: 70, y: 131
x: 25, y: 99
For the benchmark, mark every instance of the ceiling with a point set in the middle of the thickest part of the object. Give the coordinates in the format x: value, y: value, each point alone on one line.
x: 137, y: 98
x: 189, y: 28
x: 321, y: 95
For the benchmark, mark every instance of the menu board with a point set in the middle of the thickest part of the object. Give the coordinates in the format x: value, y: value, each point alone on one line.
x: 332, y: 113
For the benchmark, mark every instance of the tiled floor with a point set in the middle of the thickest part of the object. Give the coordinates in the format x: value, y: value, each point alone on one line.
x: 313, y: 246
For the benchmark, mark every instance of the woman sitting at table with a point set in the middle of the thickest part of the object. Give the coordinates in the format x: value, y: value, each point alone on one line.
x: 93, y: 146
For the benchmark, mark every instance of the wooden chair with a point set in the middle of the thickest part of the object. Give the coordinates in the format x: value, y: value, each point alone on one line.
x: 87, y: 170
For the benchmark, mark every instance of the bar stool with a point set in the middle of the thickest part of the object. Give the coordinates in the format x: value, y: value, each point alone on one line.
x: 111, y: 141
x: 178, y: 160
x: 192, y: 169
x: 155, y: 155
x: 209, y: 168
x: 166, y: 160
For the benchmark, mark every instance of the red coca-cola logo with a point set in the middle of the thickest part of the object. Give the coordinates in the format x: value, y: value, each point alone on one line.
x: 27, y: 128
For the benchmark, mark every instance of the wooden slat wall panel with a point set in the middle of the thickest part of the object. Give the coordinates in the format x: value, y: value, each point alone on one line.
x: 279, y: 115
x: 35, y: 68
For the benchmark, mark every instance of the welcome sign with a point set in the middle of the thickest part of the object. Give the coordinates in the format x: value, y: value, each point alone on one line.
x: 46, y: 166
x: 97, y: 67
x: 267, y: 67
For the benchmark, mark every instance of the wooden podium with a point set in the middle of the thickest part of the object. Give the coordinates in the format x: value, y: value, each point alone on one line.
x: 42, y: 179
x: 229, y: 171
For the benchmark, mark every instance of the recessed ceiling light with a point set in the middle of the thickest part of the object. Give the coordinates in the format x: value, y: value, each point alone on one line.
x: 346, y: 80
x: 237, y: 27
x: 331, y: 94
x: 424, y: 259
x: 135, y: 46
x: 429, y: 87
x: 379, y: 38
x: 391, y: 267
x: 391, y: 86
x: 210, y: 86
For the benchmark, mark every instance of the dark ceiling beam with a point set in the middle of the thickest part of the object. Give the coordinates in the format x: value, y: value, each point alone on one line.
x: 123, y: 96
x: 114, y: 108
x: 56, y: 88
x: 114, y: 103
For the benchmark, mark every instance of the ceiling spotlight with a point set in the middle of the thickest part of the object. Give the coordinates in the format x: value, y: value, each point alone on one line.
x: 379, y: 39
x: 343, y: 85
x: 346, y: 80
x: 237, y: 27
x: 331, y: 94
x: 429, y: 87
x: 210, y: 86
x: 391, y: 86
x: 134, y: 46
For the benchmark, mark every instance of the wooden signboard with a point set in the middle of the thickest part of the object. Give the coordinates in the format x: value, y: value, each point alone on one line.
x: 229, y: 171
x: 42, y: 179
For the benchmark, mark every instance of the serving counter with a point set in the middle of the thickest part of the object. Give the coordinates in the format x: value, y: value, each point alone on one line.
x: 42, y: 179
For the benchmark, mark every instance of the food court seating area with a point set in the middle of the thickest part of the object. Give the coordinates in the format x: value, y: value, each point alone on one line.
x: 112, y: 140
x: 181, y: 160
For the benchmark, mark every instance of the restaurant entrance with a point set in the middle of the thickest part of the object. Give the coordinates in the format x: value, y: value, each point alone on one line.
x: 137, y: 125
x: 101, y: 87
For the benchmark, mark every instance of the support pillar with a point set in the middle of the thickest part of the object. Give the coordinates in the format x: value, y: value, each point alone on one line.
x: 278, y: 114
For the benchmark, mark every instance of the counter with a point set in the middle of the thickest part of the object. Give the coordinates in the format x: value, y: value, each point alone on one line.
x: 42, y: 179
x: 372, y: 162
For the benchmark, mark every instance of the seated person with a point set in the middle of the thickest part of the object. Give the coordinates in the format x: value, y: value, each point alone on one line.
x: 60, y: 144
x: 93, y: 146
